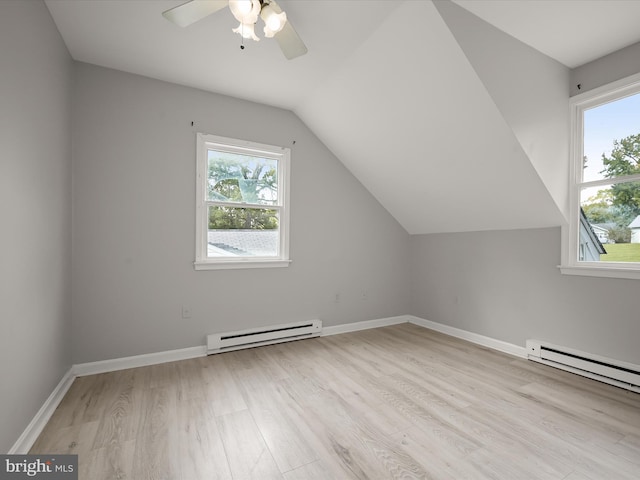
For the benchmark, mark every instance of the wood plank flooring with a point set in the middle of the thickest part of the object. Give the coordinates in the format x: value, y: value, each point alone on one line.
x: 399, y: 402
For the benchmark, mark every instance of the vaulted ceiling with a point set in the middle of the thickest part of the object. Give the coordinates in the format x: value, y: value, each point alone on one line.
x: 452, y: 114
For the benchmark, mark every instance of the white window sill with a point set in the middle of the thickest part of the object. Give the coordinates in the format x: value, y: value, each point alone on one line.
x: 632, y: 273
x: 236, y: 264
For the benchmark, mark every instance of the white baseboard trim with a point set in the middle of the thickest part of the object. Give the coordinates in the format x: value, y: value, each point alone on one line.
x: 104, y: 366
x: 364, y: 325
x: 112, y: 365
x: 37, y: 424
x: 29, y: 436
x: 489, y: 342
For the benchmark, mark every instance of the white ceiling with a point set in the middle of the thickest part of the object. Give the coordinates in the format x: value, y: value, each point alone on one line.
x: 382, y: 86
x: 133, y: 36
x: 573, y: 32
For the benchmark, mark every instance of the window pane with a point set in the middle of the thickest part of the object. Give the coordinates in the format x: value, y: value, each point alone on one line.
x: 612, y: 215
x: 612, y: 139
x: 233, y: 177
x: 242, y: 232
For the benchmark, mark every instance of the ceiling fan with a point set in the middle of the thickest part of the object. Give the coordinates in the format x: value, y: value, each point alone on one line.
x: 246, y: 12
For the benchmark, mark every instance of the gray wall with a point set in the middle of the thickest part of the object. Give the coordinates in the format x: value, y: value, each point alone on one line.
x: 607, y: 69
x: 506, y: 285
x: 134, y: 224
x: 35, y: 197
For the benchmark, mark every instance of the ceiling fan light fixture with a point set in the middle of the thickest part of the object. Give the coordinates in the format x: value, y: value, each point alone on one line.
x: 273, y: 21
x: 245, y: 11
x: 277, y: 24
x: 245, y: 30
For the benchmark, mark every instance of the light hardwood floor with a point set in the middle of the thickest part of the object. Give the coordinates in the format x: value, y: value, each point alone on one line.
x: 390, y: 403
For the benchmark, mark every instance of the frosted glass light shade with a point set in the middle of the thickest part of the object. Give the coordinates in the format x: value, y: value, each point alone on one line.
x: 246, y: 31
x: 245, y: 11
x: 273, y: 22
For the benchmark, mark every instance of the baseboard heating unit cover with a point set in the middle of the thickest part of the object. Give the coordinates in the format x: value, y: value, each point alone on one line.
x: 614, y: 372
x: 255, y: 337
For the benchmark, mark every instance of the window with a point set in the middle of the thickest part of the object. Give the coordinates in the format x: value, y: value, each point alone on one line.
x: 604, y: 230
x: 242, y: 215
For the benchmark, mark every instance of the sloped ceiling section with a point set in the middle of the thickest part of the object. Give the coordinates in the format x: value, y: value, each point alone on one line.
x: 574, y: 32
x: 134, y: 37
x: 452, y: 124
x: 411, y: 119
x: 529, y: 88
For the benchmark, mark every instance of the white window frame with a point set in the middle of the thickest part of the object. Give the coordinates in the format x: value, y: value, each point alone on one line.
x: 571, y: 234
x: 243, y: 147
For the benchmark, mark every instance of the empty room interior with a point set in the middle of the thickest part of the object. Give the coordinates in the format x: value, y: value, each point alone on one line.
x: 322, y: 239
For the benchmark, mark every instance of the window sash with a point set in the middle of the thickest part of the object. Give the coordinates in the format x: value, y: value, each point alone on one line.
x: 282, y: 156
x: 253, y: 154
x: 218, y: 203
x: 571, y: 235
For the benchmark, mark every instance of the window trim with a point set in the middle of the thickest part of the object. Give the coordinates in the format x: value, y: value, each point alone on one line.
x: 232, y: 145
x: 570, y: 234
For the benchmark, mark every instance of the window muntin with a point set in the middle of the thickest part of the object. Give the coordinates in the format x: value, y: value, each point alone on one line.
x: 605, y: 190
x: 242, y: 204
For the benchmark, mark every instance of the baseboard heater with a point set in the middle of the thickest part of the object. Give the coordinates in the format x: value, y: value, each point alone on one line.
x: 256, y: 337
x: 614, y: 372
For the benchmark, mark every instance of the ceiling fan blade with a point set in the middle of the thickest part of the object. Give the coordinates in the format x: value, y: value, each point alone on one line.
x: 190, y: 12
x: 290, y: 43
